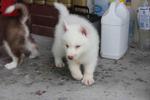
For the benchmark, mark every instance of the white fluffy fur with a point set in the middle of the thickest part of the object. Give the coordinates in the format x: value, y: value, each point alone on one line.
x: 68, y: 32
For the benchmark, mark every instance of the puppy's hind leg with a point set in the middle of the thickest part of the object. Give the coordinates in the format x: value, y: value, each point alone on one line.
x: 32, y: 48
x: 15, y: 59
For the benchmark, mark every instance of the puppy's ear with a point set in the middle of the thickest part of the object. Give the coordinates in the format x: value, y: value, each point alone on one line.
x: 83, y: 31
x: 65, y: 26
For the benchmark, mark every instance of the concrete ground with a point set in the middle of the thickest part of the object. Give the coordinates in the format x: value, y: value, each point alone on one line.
x: 38, y: 79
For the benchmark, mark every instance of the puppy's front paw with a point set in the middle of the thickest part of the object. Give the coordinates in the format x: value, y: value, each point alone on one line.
x: 59, y: 64
x: 88, y: 80
x: 78, y: 76
x: 11, y: 65
x: 34, y: 54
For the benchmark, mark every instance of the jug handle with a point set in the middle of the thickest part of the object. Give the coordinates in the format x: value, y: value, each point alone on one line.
x: 112, y: 9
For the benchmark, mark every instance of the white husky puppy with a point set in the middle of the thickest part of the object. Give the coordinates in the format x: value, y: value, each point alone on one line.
x: 78, y: 40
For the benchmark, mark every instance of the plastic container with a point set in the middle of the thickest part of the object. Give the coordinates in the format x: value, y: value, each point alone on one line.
x: 144, y: 16
x: 100, y: 6
x: 144, y: 25
x: 114, y: 31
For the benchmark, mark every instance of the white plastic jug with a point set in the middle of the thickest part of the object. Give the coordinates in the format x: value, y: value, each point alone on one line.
x: 114, y: 31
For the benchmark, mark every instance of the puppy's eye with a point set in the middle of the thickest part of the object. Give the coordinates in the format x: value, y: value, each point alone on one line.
x: 67, y: 46
x: 78, y: 46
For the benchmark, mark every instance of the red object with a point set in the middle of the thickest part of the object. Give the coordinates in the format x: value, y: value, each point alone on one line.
x: 5, y: 4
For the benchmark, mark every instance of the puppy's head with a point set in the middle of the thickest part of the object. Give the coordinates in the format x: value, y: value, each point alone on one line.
x: 75, y: 40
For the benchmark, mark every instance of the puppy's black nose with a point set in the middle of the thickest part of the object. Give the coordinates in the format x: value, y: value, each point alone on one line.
x: 70, y: 57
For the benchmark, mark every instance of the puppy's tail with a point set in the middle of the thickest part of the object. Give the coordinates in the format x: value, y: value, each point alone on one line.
x: 23, y: 10
x: 62, y: 9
